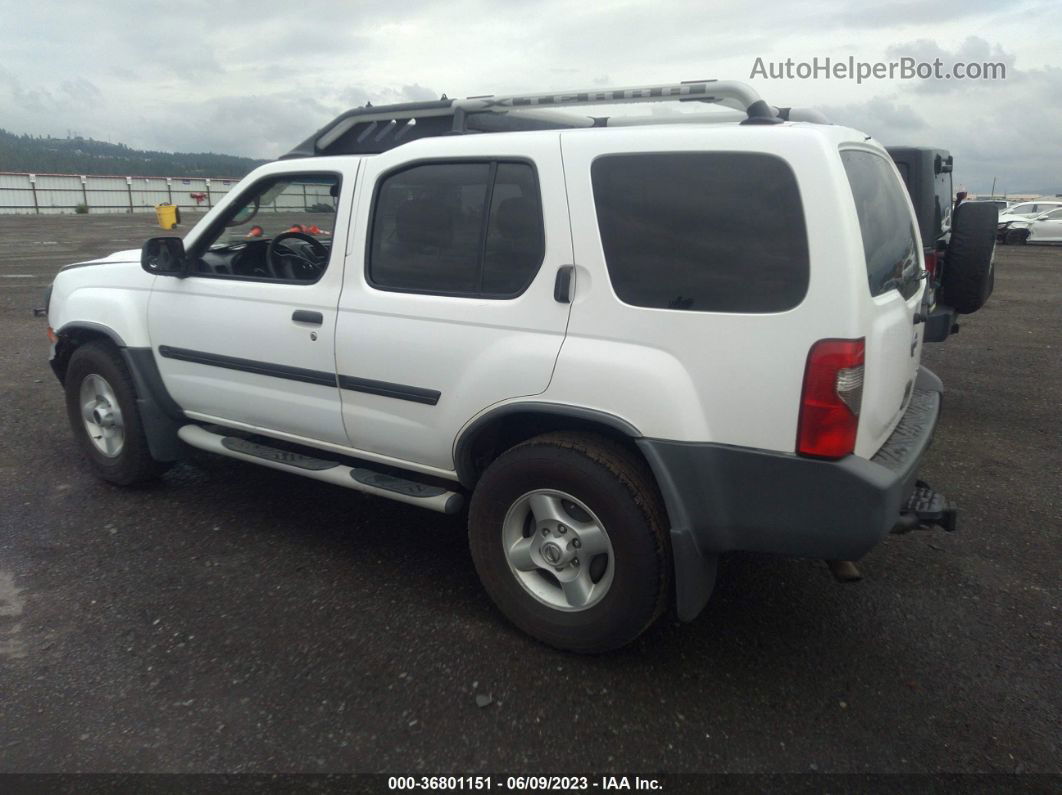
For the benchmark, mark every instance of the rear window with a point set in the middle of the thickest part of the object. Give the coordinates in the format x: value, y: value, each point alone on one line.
x: 942, y: 189
x: 890, y: 242
x: 702, y: 231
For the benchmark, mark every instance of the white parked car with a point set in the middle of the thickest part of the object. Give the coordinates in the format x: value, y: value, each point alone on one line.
x: 559, y: 322
x: 1044, y: 228
x: 1028, y: 210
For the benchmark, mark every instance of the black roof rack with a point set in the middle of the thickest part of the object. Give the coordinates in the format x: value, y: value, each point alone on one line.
x: 371, y: 130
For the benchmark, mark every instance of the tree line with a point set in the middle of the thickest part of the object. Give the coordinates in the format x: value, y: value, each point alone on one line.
x: 77, y: 155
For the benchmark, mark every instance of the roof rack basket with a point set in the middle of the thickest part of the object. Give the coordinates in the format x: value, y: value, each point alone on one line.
x: 371, y: 130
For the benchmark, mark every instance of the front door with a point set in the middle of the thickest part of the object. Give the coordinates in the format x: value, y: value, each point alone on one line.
x: 449, y: 304
x: 1047, y: 228
x: 247, y: 338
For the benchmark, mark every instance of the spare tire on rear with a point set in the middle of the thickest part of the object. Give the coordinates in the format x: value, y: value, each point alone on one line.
x: 968, y: 277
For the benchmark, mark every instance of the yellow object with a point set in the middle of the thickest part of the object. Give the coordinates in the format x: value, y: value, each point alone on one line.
x: 167, y: 215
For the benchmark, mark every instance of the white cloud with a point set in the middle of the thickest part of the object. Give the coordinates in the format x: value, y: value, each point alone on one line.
x: 257, y: 79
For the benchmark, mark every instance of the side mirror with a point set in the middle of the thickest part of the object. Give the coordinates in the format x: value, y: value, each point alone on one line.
x: 164, y: 256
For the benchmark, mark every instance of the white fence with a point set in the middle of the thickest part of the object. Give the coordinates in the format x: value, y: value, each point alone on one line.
x: 41, y: 194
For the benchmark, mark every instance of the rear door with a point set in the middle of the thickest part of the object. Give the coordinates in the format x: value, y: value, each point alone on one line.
x: 893, y: 257
x: 448, y: 303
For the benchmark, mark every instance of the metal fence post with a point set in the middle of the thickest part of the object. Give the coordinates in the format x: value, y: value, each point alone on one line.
x: 84, y: 193
x: 210, y: 200
x: 33, y: 187
x: 129, y: 188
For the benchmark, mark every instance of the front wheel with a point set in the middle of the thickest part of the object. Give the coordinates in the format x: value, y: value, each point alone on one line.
x: 101, y: 406
x: 569, y: 538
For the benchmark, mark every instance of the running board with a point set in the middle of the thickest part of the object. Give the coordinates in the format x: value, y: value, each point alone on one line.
x: 362, y: 479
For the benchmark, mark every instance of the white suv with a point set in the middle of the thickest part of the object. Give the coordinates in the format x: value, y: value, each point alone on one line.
x: 557, y: 317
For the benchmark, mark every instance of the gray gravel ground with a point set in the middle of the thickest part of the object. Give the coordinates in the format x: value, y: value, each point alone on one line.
x: 231, y: 618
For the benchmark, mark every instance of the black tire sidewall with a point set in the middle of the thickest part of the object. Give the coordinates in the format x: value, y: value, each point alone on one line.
x: 134, y: 463
x: 967, y: 279
x: 628, y: 606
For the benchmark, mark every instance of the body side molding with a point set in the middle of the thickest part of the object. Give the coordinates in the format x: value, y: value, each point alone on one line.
x: 414, y: 394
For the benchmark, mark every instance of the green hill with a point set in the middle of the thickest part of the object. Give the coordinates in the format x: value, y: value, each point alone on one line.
x: 46, y: 155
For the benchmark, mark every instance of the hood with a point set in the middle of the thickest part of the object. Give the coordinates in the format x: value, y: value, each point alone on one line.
x: 129, y: 255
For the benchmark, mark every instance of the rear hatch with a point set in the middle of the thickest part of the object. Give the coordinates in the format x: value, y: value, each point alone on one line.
x: 894, y: 266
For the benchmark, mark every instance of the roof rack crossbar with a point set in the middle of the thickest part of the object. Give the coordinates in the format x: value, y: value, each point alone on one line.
x: 358, y: 131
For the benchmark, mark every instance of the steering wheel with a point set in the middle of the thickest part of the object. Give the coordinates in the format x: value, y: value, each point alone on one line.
x: 287, y: 265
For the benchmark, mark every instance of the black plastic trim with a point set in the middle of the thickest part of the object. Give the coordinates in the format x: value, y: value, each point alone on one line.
x: 301, y: 374
x: 306, y: 316
x: 722, y: 498
x: 465, y: 467
x: 86, y: 325
x: 386, y: 482
x: 939, y: 323
x: 562, y: 286
x: 159, y: 413
x: 414, y: 394
x: 277, y: 455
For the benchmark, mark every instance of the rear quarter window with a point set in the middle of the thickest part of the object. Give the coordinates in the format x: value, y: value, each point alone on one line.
x: 702, y: 231
x: 890, y: 241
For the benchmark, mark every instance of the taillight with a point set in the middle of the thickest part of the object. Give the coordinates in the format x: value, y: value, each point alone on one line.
x: 830, y: 399
x: 932, y: 263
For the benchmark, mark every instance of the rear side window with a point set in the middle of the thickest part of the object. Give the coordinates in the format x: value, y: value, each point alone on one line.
x: 944, y: 197
x: 468, y: 229
x: 890, y: 243
x: 702, y: 231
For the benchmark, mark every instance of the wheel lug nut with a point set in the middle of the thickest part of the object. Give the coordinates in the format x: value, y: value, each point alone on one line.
x: 575, y: 562
x: 545, y: 531
x: 562, y: 529
x: 576, y: 543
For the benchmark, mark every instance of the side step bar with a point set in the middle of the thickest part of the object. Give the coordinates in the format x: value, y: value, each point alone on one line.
x: 369, y: 481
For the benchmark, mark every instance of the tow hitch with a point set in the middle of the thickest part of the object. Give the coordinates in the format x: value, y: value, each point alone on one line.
x: 925, y: 510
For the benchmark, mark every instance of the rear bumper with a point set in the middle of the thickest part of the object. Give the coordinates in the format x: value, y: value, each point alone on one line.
x: 941, y: 322
x: 722, y: 498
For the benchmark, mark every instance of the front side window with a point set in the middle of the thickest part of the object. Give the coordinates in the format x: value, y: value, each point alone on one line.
x: 280, y: 230
x: 470, y: 229
x: 1023, y: 209
x: 702, y: 231
x: 890, y: 242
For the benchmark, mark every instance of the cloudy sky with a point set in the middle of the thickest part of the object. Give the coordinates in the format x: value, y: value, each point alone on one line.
x: 256, y: 78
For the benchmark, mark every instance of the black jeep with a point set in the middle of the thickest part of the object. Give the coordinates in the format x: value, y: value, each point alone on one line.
x: 958, y: 238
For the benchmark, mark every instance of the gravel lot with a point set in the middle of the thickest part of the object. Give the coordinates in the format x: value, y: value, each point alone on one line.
x: 231, y: 618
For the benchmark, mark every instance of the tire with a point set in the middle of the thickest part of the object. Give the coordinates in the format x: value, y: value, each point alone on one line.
x: 101, y: 407
x: 1016, y: 236
x: 968, y: 277
x: 587, y: 481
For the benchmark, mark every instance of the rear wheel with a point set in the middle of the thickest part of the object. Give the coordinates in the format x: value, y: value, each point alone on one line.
x: 101, y: 406
x: 569, y: 538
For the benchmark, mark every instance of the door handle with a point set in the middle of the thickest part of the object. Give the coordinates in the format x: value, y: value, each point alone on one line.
x: 562, y: 287
x: 306, y: 316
